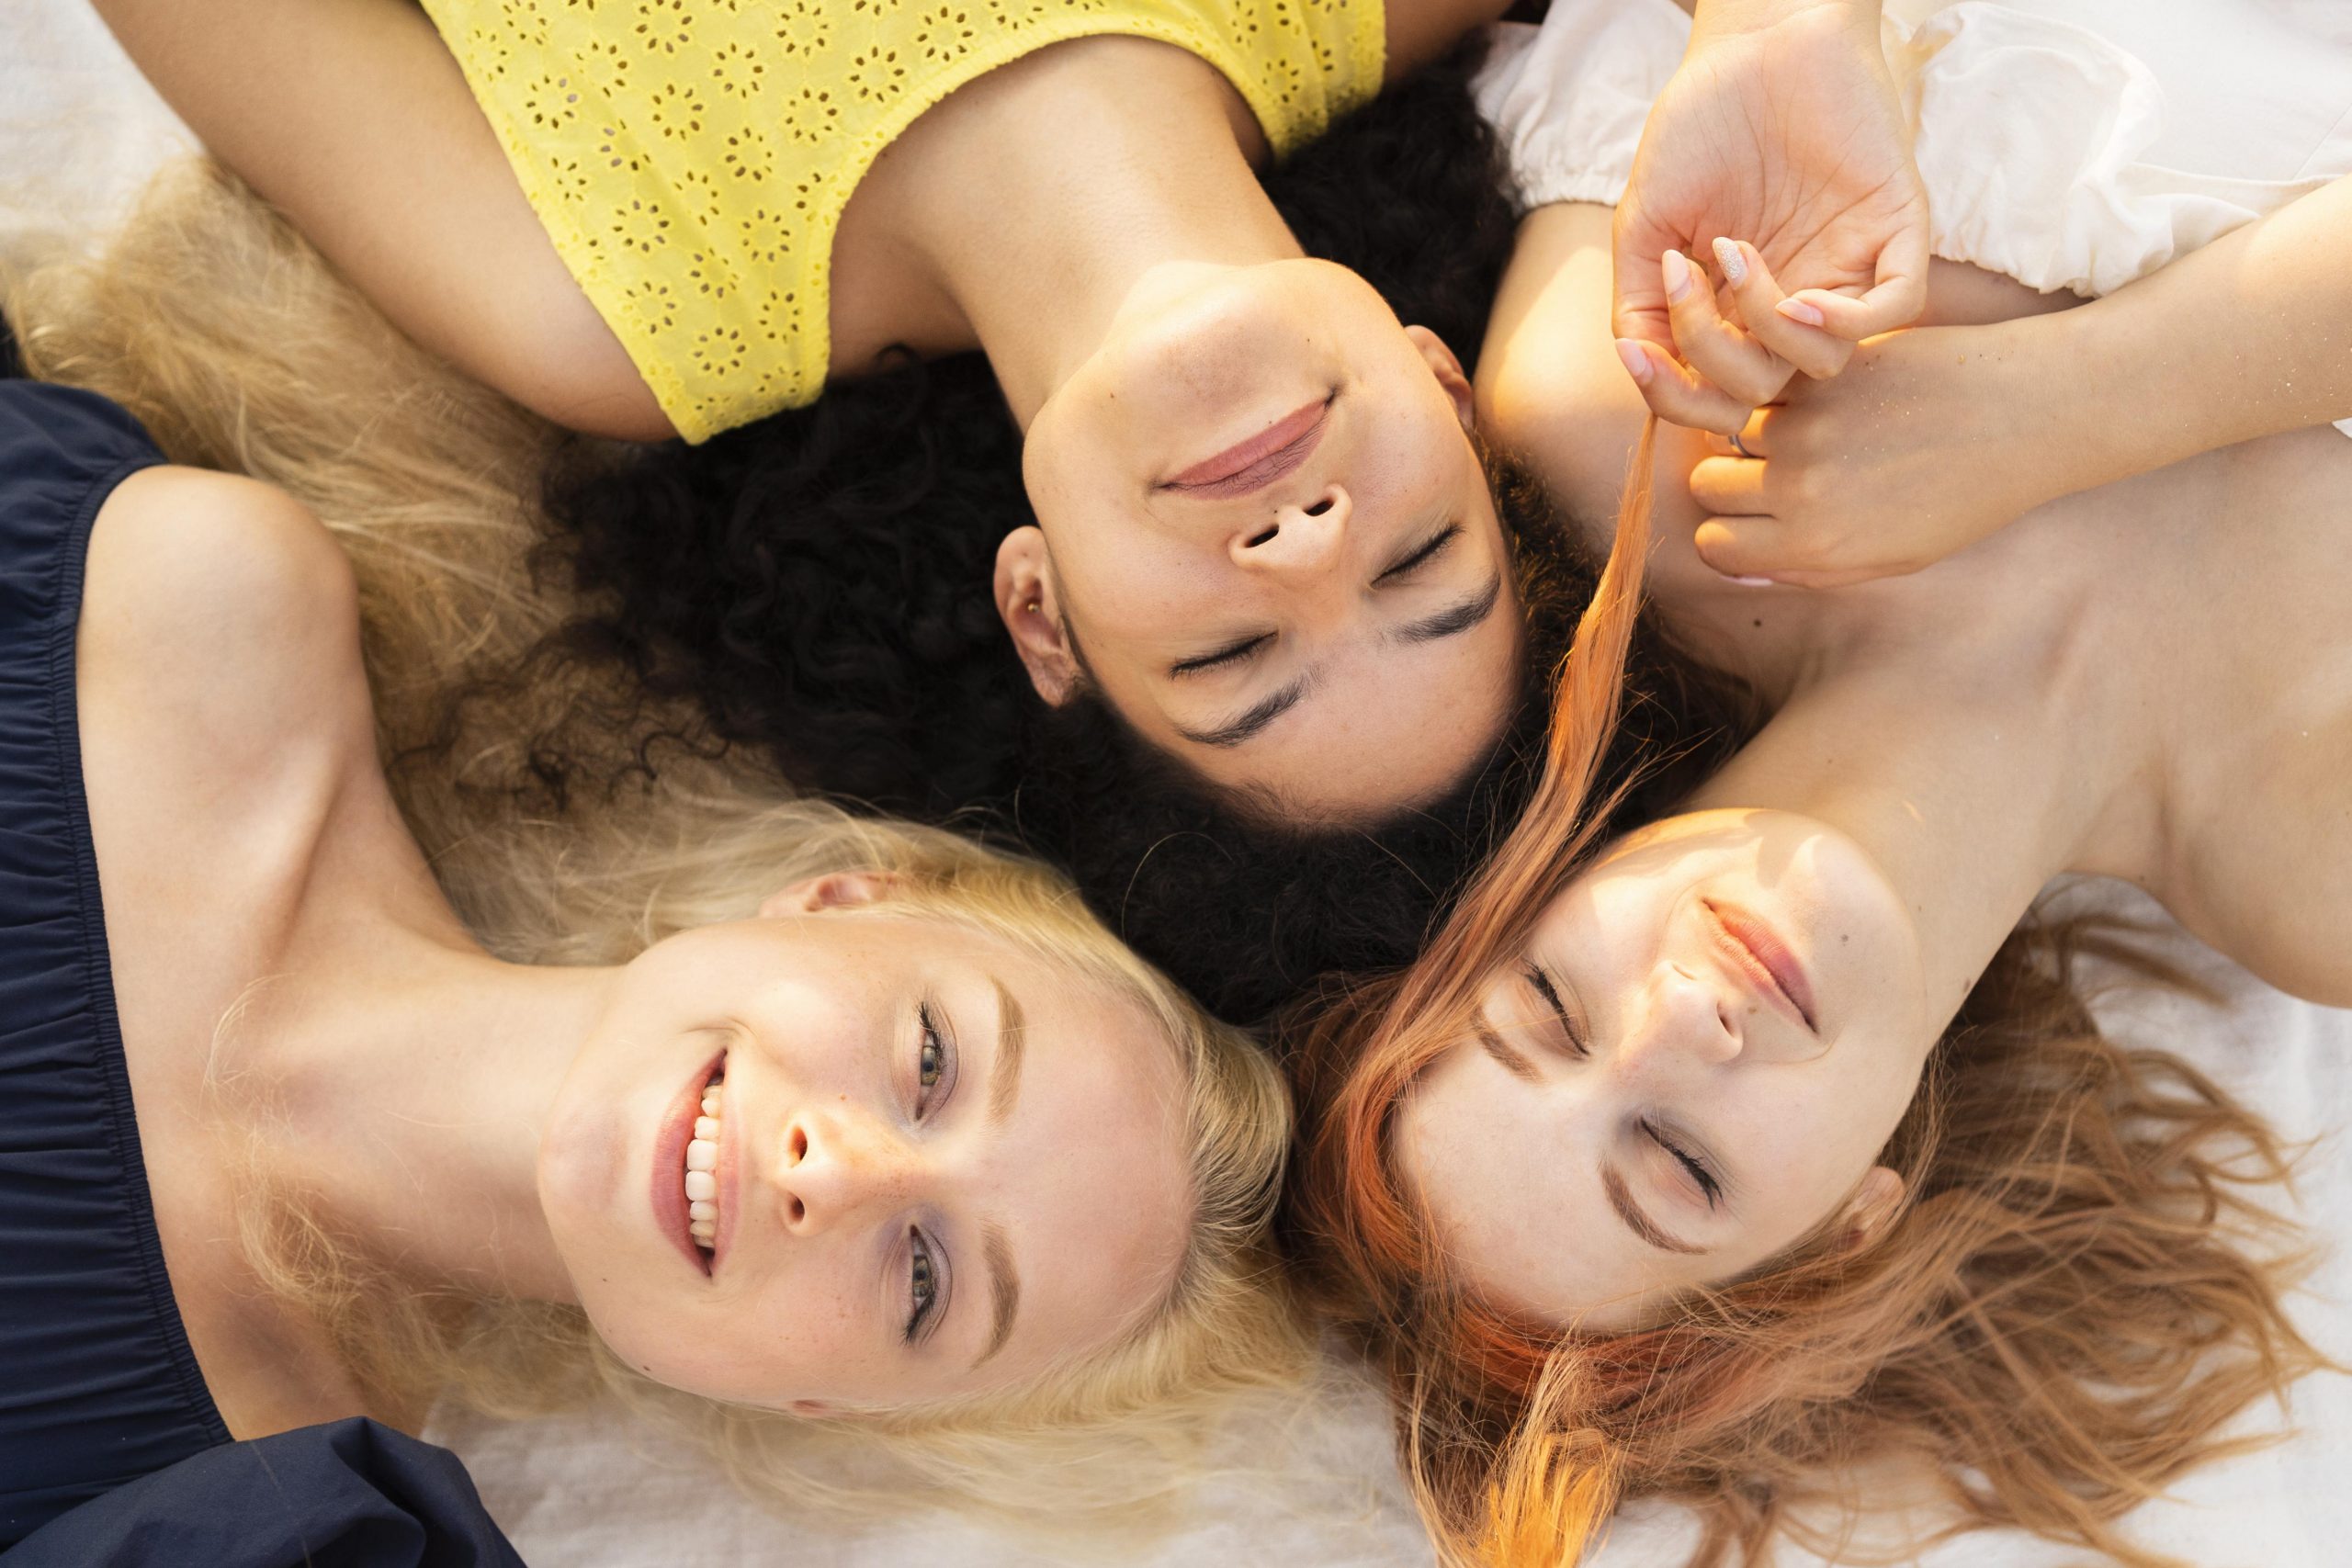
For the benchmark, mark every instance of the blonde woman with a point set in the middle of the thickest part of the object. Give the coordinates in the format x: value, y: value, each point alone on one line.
x: 851, y: 1123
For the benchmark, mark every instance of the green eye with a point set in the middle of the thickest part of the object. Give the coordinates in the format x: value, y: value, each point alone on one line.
x: 923, y: 1287
x: 935, y: 1060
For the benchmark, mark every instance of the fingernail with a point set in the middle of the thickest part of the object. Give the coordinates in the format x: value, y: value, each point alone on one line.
x: 1798, y: 310
x: 1749, y: 582
x: 1678, y: 276
x: 1637, y: 360
x: 1735, y: 266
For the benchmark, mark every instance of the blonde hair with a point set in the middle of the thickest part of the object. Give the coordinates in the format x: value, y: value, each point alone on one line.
x: 211, y: 321
x: 2065, y: 1311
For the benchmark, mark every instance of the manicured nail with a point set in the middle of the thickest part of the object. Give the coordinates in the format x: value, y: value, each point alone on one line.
x: 1637, y: 361
x: 1735, y: 266
x: 1749, y: 582
x: 1678, y: 276
x: 1798, y: 310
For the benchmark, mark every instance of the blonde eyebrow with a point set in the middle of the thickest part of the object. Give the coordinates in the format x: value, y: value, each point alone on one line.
x: 1012, y: 1042
x: 1004, y: 1288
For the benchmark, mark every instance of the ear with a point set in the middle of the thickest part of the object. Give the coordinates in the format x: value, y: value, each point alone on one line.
x: 1448, y: 371
x: 834, y: 890
x: 1870, y: 1209
x: 1025, y: 602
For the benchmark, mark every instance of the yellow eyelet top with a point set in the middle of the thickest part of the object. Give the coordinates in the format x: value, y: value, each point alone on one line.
x: 691, y: 158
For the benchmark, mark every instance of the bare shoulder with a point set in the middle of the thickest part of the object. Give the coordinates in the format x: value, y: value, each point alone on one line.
x: 1551, y: 389
x: 218, y: 613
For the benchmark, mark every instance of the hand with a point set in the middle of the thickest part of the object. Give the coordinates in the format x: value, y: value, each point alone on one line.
x: 1781, y: 128
x: 1928, y: 443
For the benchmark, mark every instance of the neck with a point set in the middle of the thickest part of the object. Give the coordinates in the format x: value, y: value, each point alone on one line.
x: 1973, y: 760
x: 403, y: 1083
x: 1039, y: 235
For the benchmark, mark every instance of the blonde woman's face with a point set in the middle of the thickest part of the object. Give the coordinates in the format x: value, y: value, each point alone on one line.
x: 938, y: 1163
x: 1694, y: 1061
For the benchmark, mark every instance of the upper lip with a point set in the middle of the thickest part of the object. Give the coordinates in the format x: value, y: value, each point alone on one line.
x: 1252, y: 464
x: 1763, y: 958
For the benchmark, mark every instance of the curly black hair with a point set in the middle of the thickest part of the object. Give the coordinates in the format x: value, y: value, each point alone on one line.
x: 819, y: 583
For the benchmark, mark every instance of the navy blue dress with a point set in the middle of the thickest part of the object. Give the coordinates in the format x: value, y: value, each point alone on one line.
x: 98, y: 1388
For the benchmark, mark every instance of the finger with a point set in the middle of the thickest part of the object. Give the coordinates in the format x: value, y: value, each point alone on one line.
x: 1729, y: 486
x: 1713, y: 346
x: 1753, y: 288
x: 1750, y: 549
x: 1678, y: 395
x: 1638, y: 307
x: 1895, y: 298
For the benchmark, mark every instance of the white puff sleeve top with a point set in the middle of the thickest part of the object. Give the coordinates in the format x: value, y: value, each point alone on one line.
x: 2067, y: 143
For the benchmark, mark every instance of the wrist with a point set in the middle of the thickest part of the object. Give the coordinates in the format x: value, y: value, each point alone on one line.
x: 1723, y: 18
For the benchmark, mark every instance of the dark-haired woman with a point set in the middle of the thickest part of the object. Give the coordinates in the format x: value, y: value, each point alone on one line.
x: 1262, y: 537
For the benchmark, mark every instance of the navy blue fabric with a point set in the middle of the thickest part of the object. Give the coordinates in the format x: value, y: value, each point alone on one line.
x: 100, y: 1396
x: 97, y: 1385
x: 347, y: 1494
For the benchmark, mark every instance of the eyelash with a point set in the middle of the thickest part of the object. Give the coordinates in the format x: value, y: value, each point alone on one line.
x: 1541, y: 979
x: 923, y: 1283
x: 1239, y: 651
x: 1423, y: 553
x: 1699, y: 1172
x: 931, y: 1039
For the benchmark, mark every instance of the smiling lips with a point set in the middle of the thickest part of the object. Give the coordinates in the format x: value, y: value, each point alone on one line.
x: 1763, y: 956
x: 687, y: 1173
x: 1254, y: 464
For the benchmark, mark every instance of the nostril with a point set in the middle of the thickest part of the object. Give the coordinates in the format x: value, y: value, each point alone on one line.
x: 1261, y: 538
x: 796, y: 1148
x: 798, y: 1212
x: 1319, y: 508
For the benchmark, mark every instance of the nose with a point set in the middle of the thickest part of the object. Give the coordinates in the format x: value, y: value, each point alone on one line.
x: 1303, y: 538
x: 834, y: 1167
x: 1682, y: 1024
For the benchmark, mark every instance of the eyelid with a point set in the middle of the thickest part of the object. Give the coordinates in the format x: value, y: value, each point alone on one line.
x: 923, y: 1319
x: 931, y: 1021
x: 1710, y: 1186
x: 1571, y: 1027
x: 1421, y: 555
x: 1230, y: 654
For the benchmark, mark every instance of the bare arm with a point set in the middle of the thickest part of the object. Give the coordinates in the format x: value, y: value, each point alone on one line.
x: 352, y: 118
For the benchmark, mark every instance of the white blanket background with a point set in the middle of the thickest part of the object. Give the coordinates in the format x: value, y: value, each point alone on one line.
x: 1313, y: 1480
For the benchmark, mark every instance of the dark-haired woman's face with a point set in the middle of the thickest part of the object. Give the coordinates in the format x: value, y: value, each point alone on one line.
x: 1693, y: 1063
x: 1268, y: 542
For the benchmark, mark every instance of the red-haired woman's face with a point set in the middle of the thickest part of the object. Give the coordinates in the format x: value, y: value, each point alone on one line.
x: 1692, y: 1063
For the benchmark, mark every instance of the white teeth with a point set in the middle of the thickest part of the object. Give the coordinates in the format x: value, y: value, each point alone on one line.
x: 702, y: 1160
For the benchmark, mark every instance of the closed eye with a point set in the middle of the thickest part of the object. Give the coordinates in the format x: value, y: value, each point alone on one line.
x: 1571, y: 1032
x: 1422, y: 554
x: 1708, y: 1186
x: 1232, y: 653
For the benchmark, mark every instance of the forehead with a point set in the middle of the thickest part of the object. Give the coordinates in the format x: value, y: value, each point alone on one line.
x: 1088, y: 1174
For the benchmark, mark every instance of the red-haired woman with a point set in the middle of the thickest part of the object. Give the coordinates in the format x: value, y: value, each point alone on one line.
x: 1731, y: 1158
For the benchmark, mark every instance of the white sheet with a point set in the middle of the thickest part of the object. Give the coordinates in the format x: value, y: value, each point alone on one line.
x: 1313, y: 1481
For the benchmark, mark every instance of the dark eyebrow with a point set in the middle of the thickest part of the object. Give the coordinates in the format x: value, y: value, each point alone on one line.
x: 1516, y: 1064
x: 1004, y: 1290
x: 1620, y: 1197
x: 1235, y: 732
x: 1453, y: 621
x: 1012, y: 1039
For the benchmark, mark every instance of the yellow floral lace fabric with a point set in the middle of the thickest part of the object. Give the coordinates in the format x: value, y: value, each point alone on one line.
x: 691, y: 158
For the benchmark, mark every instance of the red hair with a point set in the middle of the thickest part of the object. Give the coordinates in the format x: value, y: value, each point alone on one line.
x: 2045, y: 1169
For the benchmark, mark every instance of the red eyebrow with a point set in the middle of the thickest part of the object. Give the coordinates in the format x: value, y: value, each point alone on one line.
x: 1620, y: 1197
